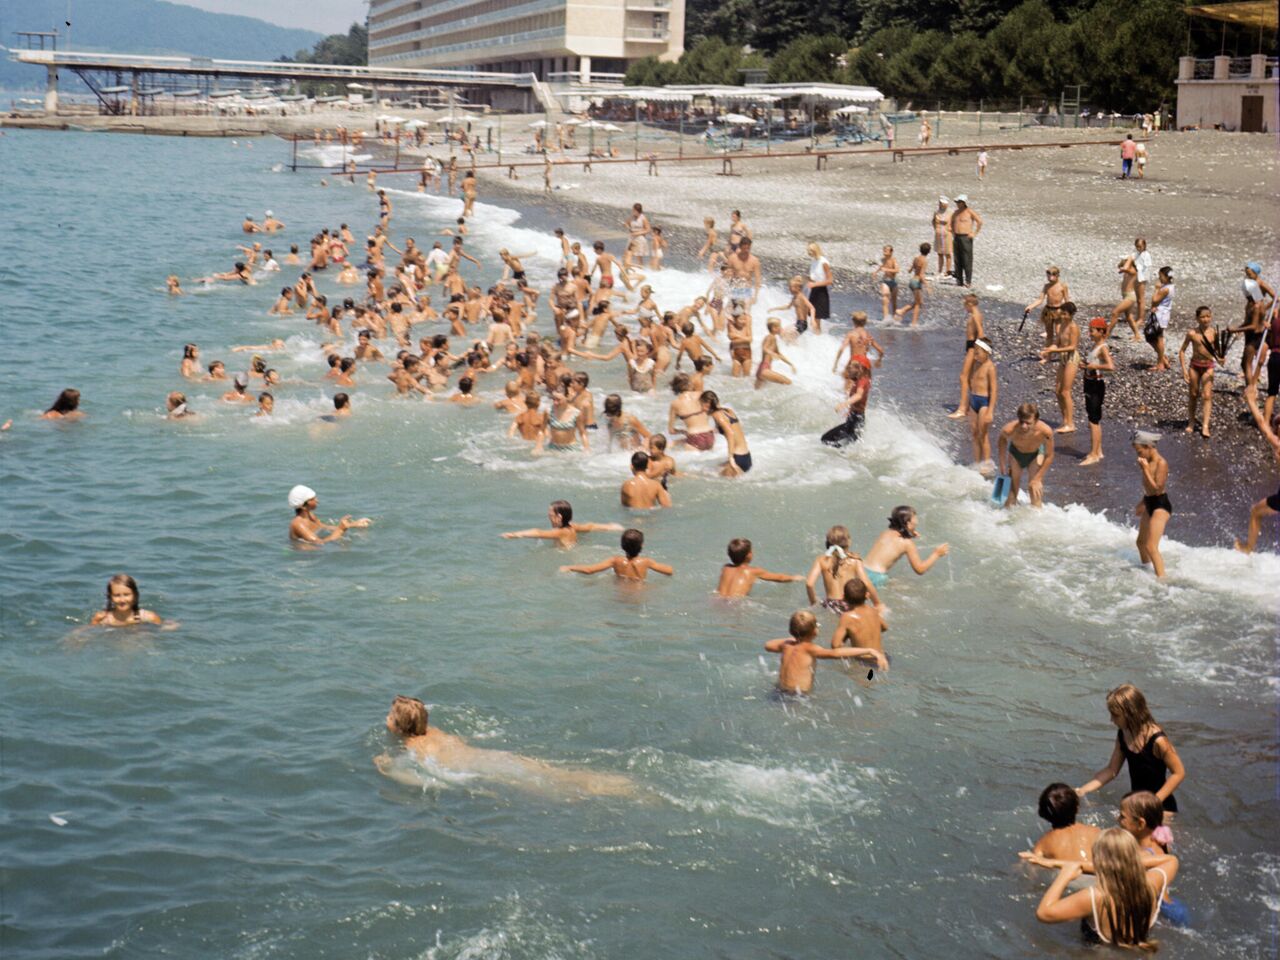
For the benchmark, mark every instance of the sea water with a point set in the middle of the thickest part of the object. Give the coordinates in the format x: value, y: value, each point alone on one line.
x: 209, y: 790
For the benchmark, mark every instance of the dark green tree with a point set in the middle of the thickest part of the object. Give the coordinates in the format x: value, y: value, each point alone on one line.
x: 907, y: 71
x: 959, y: 73
x: 808, y: 59
x: 867, y: 63
x: 351, y: 47
x: 777, y: 23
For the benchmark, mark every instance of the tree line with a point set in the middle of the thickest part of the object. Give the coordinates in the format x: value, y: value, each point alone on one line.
x: 1122, y: 53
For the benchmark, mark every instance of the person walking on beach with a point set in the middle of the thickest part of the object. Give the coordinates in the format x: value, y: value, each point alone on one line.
x: 1259, y: 301
x: 1095, y: 386
x: 983, y: 159
x: 1142, y: 267
x: 819, y: 291
x: 1267, y: 506
x: 973, y: 332
x: 1025, y: 444
x: 965, y: 227
x: 919, y: 264
x: 1067, y: 354
x: 1203, y: 341
x: 1128, y: 305
x: 1154, y: 509
x: 1128, y: 151
x: 1053, y: 295
x: 1158, y: 320
x: 942, y: 236
x: 983, y: 390
x: 1154, y: 764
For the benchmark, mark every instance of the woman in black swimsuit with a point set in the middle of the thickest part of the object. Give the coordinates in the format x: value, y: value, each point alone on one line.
x: 1154, y: 764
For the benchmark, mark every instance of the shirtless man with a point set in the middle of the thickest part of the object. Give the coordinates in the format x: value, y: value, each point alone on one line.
x: 249, y: 225
x: 799, y: 651
x: 744, y: 274
x: 965, y: 227
x: 1053, y: 295
x: 270, y: 224
x: 1026, y: 444
x: 738, y: 576
x: 629, y: 566
x: 308, y: 528
x: 739, y: 332
x: 697, y: 431
x: 860, y: 626
x: 1128, y: 305
x: 983, y: 390
x: 642, y: 492
x: 408, y: 719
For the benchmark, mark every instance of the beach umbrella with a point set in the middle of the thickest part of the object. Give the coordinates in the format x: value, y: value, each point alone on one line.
x: 415, y: 124
x: 850, y: 109
x: 573, y: 122
x: 538, y: 123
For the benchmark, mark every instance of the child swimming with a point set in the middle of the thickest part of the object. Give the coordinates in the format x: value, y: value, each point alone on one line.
x: 629, y: 566
x: 799, y: 651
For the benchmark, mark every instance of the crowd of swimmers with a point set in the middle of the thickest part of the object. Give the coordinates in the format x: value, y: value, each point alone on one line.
x: 549, y: 405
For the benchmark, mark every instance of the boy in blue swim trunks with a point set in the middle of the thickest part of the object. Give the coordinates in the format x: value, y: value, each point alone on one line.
x: 1025, y: 444
x: 983, y: 390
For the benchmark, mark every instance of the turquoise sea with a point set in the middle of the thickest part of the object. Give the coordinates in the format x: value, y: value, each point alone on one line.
x: 209, y: 791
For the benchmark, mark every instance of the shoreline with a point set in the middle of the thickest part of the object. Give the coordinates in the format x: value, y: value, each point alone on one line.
x: 1212, y: 493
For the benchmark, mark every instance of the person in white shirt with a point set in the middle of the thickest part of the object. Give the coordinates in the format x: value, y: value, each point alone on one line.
x: 1142, y: 268
x: 437, y: 262
x: 819, y: 293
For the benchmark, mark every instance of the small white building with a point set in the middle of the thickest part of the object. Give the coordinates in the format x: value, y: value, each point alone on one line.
x: 1229, y: 93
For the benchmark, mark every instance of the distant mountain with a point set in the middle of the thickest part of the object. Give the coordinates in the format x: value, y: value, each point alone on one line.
x: 143, y: 26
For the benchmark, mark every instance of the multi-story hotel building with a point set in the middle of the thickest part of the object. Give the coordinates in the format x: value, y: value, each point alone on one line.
x: 549, y: 38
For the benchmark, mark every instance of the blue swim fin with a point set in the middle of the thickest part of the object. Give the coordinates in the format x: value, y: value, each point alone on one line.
x: 1000, y: 490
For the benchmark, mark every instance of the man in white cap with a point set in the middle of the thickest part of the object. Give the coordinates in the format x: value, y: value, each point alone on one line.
x: 270, y: 224
x: 307, y: 527
x: 965, y: 225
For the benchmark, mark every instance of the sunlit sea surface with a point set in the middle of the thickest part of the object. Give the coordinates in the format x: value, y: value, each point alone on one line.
x: 216, y: 780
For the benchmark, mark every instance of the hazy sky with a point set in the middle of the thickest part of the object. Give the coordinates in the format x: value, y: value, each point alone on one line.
x: 325, y: 16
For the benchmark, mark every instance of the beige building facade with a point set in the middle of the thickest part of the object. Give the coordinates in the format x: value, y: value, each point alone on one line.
x: 577, y: 40
x: 1229, y: 93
